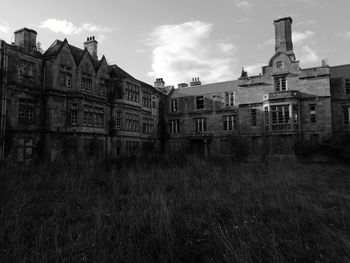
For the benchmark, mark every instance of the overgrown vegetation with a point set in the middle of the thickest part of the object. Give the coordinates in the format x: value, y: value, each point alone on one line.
x: 175, y: 210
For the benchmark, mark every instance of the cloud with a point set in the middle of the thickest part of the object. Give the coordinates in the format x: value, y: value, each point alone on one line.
x: 304, y: 47
x: 4, y: 27
x: 68, y: 28
x: 96, y: 28
x: 300, y: 37
x: 343, y: 34
x: 100, y: 38
x: 254, y: 69
x: 183, y: 51
x: 243, y: 5
x: 62, y: 26
x: 5, y: 31
x: 308, y: 55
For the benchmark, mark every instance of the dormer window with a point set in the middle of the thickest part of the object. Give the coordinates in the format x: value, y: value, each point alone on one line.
x: 280, y: 83
x: 279, y: 64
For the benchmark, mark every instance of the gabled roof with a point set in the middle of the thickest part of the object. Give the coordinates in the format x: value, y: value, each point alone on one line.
x: 205, y: 89
x: 76, y: 52
x: 99, y: 63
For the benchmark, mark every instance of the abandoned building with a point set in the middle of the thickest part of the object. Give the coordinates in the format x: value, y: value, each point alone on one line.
x: 265, y: 114
x: 66, y: 101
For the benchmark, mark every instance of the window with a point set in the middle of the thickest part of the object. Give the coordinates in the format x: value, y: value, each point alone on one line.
x: 25, y: 113
x: 118, y: 120
x: 312, y: 108
x: 346, y: 114
x: 174, y: 126
x: 27, y: 68
x: 230, y: 122
x: 280, y: 117
x: 279, y: 64
x: 86, y: 81
x: 146, y: 99
x: 65, y: 75
x: 280, y: 83
x: 230, y: 98
x: 347, y: 86
x: 253, y: 117
x: 102, y: 89
x: 68, y: 80
x: 200, y: 124
x: 131, y: 92
x: 98, y: 117
x: 132, y: 122
x: 173, y: 105
x: 74, y: 114
x: 147, y: 125
x: 93, y: 116
x: 199, y: 102
x: 25, y: 149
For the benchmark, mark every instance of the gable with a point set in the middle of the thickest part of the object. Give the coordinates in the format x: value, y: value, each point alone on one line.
x: 64, y: 56
x: 85, y: 63
x: 103, y: 67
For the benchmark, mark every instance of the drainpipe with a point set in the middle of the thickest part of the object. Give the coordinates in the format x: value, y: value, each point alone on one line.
x: 3, y: 86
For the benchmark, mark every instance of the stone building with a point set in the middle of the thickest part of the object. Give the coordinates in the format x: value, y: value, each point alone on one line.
x: 66, y: 102
x: 265, y: 114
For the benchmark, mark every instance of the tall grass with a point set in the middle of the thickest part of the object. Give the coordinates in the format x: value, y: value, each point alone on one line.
x: 185, y: 209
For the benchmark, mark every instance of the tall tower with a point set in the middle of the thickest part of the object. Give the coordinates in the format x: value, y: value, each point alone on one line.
x: 283, y: 34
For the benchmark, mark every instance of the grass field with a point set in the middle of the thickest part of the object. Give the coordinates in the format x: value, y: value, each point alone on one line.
x: 175, y: 210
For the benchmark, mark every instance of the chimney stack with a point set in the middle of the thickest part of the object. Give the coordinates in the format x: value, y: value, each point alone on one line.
x: 91, y: 45
x: 26, y: 38
x: 159, y: 83
x: 195, y: 82
x: 283, y: 34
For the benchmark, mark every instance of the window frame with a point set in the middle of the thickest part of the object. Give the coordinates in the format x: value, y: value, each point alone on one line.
x: 200, y: 99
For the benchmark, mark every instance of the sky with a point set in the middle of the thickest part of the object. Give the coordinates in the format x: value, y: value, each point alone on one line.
x: 182, y: 39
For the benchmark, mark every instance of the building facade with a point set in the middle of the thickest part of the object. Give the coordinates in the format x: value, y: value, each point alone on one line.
x: 265, y: 114
x: 67, y: 102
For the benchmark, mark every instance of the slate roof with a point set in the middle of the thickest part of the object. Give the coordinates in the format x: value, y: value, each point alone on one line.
x: 206, y: 89
x: 341, y: 71
x: 77, y: 53
x: 116, y: 71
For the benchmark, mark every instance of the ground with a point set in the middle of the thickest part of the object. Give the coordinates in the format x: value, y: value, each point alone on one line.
x: 183, y: 209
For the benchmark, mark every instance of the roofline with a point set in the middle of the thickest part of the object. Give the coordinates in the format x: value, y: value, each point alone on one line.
x: 344, y: 65
x: 283, y: 18
x: 25, y: 29
x: 207, y: 84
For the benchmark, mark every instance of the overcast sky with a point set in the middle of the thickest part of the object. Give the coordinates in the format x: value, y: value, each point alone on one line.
x: 181, y: 39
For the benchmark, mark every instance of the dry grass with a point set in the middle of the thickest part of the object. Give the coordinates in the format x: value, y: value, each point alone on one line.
x: 175, y: 210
